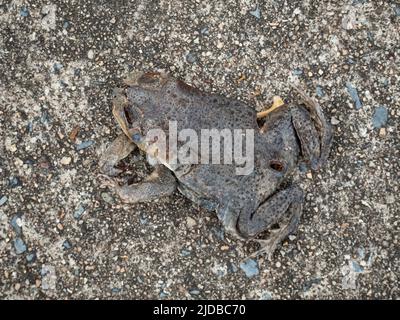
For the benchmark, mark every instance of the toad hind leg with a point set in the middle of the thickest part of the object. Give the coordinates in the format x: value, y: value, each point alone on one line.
x: 284, y: 208
x: 120, y: 148
x: 159, y: 183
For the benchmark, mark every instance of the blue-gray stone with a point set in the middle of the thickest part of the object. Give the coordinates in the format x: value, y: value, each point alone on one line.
x: 67, y: 245
x: 204, y: 31
x: 354, y: 95
x: 139, y: 279
x: 143, y: 220
x: 84, y: 145
x: 29, y: 127
x: 185, y: 253
x: 19, y: 245
x: 163, y: 295
x: 31, y: 257
x: 14, y: 224
x: 24, y: 12
x: 116, y: 290
x: 136, y: 137
x: 397, y: 10
x: 57, y: 67
x: 66, y: 24
x: 191, y: 58
x: 250, y: 268
x: 3, y: 200
x: 256, y: 12
x: 232, y: 268
x: 320, y: 91
x: 45, y: 118
x: 351, y: 61
x: 15, y: 182
x: 380, y: 117
x: 356, y: 267
x: 219, y: 233
x: 194, y: 292
x: 303, y: 167
x: 79, y: 212
x: 297, y: 72
x: 361, y: 253
x: 266, y: 295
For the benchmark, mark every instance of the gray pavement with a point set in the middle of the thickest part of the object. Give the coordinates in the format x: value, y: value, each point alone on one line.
x: 62, y: 236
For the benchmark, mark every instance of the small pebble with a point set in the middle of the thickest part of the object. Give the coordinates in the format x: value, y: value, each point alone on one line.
x: 250, y: 268
x: 380, y: 117
x: 24, y: 12
x: 297, y: 72
x: 397, y: 10
x: 67, y: 245
x: 334, y: 121
x: 31, y: 257
x: 84, y: 145
x: 19, y: 246
x: 15, y: 182
x: 256, y: 12
x: 79, y: 212
x: 382, y: 132
x: 65, y: 160
x: 3, y: 200
x: 16, y: 223
x: 107, y: 197
x: 185, y: 253
x: 90, y: 54
x: 57, y: 67
x: 309, y: 175
x: 143, y: 220
x: 204, y: 31
x: 191, y: 58
x: 356, y: 267
x: 194, y: 292
x: 320, y: 91
x: 354, y: 95
x: 190, y: 222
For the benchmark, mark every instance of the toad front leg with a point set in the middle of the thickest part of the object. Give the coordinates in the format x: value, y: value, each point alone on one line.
x: 159, y: 183
x: 283, y: 208
x: 313, y: 131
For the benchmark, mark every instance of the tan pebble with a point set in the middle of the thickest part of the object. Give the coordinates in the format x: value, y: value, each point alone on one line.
x: 309, y: 175
x: 38, y: 283
x: 17, y: 286
x: 60, y: 226
x: 225, y: 248
x: 382, y: 132
x: 190, y: 222
x: 65, y: 160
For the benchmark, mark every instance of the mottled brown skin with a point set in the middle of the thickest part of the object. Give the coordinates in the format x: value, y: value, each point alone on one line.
x: 246, y: 204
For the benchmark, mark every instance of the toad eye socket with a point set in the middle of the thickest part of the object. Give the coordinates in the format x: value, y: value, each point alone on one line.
x: 276, y: 165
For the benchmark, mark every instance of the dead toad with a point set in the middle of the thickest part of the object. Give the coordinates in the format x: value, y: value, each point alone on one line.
x: 246, y: 204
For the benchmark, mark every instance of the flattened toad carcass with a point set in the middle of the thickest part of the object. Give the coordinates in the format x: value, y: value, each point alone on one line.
x: 246, y: 204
